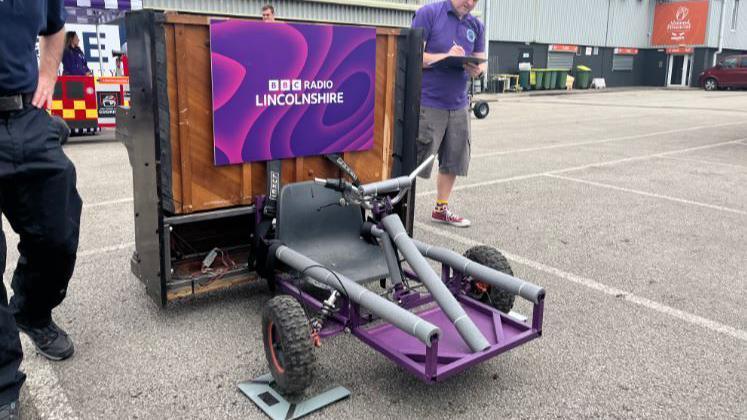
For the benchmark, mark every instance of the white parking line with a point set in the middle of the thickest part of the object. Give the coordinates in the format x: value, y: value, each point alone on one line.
x: 648, y: 194
x: 594, y: 285
x: 614, y: 139
x: 43, y: 385
x: 107, y: 203
x: 704, y: 162
x: 578, y: 168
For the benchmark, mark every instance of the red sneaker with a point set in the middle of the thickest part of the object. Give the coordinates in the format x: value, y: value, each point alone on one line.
x: 448, y: 217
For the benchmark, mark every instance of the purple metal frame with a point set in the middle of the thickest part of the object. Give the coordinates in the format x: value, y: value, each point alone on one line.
x: 448, y: 355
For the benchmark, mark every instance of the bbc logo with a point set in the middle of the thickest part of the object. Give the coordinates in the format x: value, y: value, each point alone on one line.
x: 284, y: 85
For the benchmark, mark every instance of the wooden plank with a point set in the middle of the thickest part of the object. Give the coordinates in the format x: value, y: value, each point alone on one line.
x: 391, y: 76
x: 212, y: 187
x: 182, y: 88
x: 368, y: 164
x: 213, y: 286
x: 186, y: 19
x: 298, y: 172
x: 388, y: 31
x: 176, y: 171
x: 319, y: 168
x: 246, y: 184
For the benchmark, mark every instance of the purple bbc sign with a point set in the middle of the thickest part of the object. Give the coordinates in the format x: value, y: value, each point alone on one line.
x: 283, y: 90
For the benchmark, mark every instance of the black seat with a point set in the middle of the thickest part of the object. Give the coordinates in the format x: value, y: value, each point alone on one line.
x: 311, y: 221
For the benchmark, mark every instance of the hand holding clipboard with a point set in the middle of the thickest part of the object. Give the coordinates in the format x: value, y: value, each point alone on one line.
x: 455, y: 58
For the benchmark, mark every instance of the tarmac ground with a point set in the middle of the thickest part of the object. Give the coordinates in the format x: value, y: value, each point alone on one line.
x: 629, y: 208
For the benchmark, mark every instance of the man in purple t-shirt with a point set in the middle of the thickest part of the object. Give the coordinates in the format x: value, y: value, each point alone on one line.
x: 448, y: 29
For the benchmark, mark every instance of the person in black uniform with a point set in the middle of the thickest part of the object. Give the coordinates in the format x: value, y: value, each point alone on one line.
x: 38, y: 195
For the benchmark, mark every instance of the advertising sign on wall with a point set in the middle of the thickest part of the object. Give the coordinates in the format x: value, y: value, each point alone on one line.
x: 626, y: 51
x: 680, y: 23
x: 563, y: 48
x: 283, y: 90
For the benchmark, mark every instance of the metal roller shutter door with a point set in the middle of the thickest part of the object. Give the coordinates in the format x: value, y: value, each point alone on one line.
x: 560, y: 60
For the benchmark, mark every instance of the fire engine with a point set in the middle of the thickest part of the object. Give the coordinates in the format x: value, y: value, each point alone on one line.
x: 88, y: 103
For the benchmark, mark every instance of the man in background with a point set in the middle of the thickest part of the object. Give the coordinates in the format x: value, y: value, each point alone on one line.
x: 268, y: 13
x: 448, y: 29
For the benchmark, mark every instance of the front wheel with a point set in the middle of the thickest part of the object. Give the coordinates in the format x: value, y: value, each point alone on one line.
x: 286, y: 336
x: 710, y: 84
x: 485, y: 293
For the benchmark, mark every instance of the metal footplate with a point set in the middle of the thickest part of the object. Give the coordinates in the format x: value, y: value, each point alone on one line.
x: 277, y: 407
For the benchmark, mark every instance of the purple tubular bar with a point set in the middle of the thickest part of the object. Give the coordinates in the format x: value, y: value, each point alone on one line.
x: 409, y: 323
x: 528, y: 291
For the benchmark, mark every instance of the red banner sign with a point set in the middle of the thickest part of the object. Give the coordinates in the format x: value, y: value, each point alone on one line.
x: 680, y: 50
x: 564, y: 48
x: 681, y: 23
x: 118, y: 80
x: 626, y: 51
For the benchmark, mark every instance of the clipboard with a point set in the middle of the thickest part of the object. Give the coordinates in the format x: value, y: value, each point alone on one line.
x: 454, y: 61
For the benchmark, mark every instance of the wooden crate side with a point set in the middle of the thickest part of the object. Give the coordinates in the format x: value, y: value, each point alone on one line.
x: 373, y: 165
x: 197, y: 184
x: 203, y: 186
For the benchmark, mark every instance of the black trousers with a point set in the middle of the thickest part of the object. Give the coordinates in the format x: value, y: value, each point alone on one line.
x: 39, y: 198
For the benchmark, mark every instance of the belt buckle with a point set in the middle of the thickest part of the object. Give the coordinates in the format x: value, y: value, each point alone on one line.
x: 11, y: 103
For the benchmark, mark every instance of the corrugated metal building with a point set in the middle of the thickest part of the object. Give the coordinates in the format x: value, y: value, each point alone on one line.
x: 602, y: 34
x: 396, y: 13
x: 528, y: 30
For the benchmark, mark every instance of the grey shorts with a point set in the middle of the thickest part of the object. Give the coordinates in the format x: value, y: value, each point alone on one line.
x: 446, y: 133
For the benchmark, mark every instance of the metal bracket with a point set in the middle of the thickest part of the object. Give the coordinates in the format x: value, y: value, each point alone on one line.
x: 272, y: 403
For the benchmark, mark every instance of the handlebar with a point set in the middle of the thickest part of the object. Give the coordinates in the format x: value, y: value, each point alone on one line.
x: 363, y: 192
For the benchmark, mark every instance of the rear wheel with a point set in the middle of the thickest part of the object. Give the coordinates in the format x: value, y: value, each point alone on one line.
x: 710, y: 84
x: 493, y: 296
x: 287, y: 341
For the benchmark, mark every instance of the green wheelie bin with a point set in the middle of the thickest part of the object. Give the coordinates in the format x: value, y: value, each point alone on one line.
x: 547, y: 82
x: 553, y: 78
x: 583, y: 77
x: 524, y: 79
x: 562, y: 78
x: 540, y: 79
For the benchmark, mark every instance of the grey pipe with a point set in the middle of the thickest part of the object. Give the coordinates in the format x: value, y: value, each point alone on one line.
x: 441, y: 294
x: 387, y: 186
x: 396, y: 184
x: 384, y: 309
x: 390, y: 255
x: 511, y: 284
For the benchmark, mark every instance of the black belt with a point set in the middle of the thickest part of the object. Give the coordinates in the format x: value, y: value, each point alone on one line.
x: 15, y: 102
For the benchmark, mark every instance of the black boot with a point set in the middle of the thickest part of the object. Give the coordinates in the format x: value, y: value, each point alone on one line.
x: 10, y: 411
x: 50, y: 340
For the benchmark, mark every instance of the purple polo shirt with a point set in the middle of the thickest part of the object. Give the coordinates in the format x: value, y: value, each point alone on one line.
x: 447, y: 88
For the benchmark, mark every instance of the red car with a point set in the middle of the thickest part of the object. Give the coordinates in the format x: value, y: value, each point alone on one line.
x: 729, y: 72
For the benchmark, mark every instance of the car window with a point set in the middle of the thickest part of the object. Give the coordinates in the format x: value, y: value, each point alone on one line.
x: 730, y: 63
x: 744, y: 62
